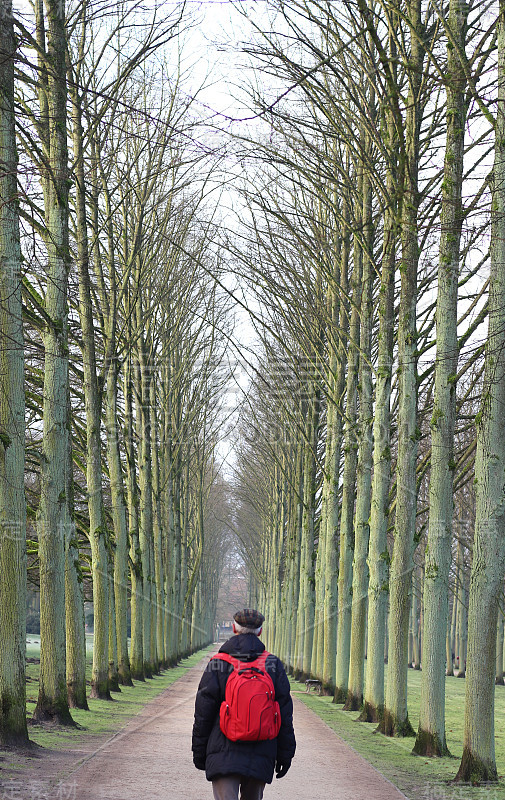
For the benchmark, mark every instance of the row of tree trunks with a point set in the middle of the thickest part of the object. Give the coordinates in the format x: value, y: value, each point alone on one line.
x: 98, y: 255
x: 420, y: 418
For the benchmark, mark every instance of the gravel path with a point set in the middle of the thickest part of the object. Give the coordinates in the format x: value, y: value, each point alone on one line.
x: 150, y: 759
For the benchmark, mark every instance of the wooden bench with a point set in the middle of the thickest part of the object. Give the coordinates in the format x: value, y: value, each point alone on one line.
x: 312, y: 683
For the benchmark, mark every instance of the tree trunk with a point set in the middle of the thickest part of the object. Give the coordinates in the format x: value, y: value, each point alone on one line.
x: 395, y: 720
x: 287, y: 648
x: 142, y: 379
x: 137, y: 648
x: 97, y: 527
x: 462, y: 618
x: 176, y: 575
x: 120, y: 523
x: 338, y: 361
x: 499, y: 649
x: 348, y: 489
x: 488, y: 564
x: 13, y: 730
x: 75, y: 624
x: 309, y: 501
x: 297, y: 516
x: 113, y: 673
x: 318, y: 639
x: 53, y: 513
x: 298, y: 615
x: 431, y: 735
x: 416, y: 589
x: 278, y: 605
x: 354, y: 698
x: 449, y: 670
x: 411, y: 634
x: 378, y: 555
x: 157, y: 534
x: 452, y: 627
x: 168, y: 495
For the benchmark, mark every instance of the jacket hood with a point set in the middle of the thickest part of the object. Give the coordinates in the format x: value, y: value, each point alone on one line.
x: 244, y: 646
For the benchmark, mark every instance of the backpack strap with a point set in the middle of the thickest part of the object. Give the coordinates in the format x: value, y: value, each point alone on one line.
x: 239, y: 665
x: 229, y: 659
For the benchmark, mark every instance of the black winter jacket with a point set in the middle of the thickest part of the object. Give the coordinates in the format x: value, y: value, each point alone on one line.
x: 215, y: 753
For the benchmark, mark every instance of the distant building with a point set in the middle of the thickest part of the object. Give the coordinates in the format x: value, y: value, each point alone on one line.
x: 225, y: 630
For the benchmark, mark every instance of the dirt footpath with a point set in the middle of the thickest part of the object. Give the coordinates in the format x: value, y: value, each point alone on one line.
x: 150, y: 759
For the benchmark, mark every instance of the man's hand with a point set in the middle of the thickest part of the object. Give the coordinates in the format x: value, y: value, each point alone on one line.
x: 199, y: 763
x: 281, y: 768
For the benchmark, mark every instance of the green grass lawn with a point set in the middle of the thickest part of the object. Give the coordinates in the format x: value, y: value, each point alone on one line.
x: 419, y: 778
x: 104, y: 717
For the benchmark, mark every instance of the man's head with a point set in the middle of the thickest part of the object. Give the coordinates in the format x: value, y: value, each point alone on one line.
x: 248, y: 621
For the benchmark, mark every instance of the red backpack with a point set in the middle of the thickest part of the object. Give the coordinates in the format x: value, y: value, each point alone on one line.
x: 249, y: 711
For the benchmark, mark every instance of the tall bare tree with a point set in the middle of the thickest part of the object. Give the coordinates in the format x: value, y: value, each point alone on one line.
x: 13, y: 728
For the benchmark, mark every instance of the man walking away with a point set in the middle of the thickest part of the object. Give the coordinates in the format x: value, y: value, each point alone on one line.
x: 243, y: 726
